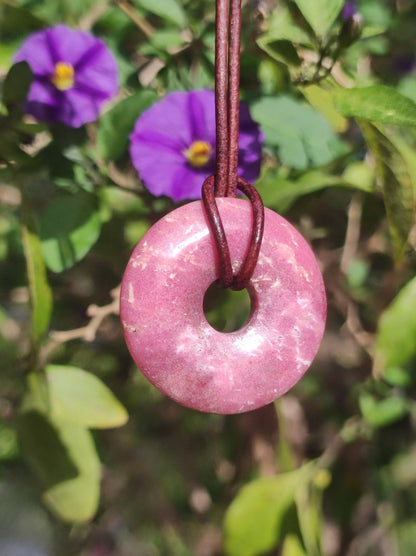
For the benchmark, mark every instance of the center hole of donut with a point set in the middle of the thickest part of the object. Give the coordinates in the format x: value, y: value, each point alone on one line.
x: 226, y: 310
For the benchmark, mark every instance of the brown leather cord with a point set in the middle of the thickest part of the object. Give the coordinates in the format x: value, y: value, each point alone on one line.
x: 221, y: 101
x: 233, y: 96
x: 226, y: 276
x: 226, y: 180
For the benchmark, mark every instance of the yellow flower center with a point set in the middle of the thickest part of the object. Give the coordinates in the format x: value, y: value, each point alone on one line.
x: 63, y: 76
x: 198, y: 154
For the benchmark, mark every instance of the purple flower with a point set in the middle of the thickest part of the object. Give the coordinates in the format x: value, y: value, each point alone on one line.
x: 173, y: 144
x: 350, y: 8
x: 74, y: 74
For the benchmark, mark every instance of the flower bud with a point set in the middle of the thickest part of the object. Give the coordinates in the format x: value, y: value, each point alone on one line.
x: 351, y: 30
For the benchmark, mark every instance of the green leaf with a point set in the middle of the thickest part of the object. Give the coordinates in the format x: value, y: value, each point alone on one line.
x: 309, y: 508
x: 395, y: 344
x: 405, y: 536
x: 282, y: 26
x: 69, y: 227
x: 323, y: 101
x: 64, y: 458
x: 280, y: 50
x: 279, y: 193
x: 293, y: 546
x: 320, y: 14
x: 395, y: 174
x: 167, y: 39
x: 398, y: 376
x: 361, y: 175
x: 381, y: 413
x: 8, y: 443
x: 116, y: 124
x: 301, y: 135
x: 255, y: 521
x: 281, y: 35
x: 166, y: 9
x: 376, y: 103
x: 76, y: 499
x: 16, y: 85
x: 44, y: 450
x: 39, y: 290
x: 80, y: 397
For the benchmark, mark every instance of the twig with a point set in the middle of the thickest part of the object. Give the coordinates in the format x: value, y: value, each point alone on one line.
x: 352, y: 320
x: 141, y: 23
x: 354, y: 326
x: 90, y: 18
x: 126, y: 181
x: 352, y: 234
x: 89, y: 331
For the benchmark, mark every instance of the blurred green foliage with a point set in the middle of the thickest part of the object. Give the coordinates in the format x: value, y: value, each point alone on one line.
x: 330, y: 468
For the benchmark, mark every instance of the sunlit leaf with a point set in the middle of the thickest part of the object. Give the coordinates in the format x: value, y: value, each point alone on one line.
x: 395, y: 344
x: 376, y: 103
x: 167, y: 9
x: 361, y: 175
x: 116, y: 124
x: 64, y: 458
x: 309, y: 508
x: 40, y: 292
x: 69, y: 227
x: 256, y: 520
x: 301, y: 136
x: 320, y: 14
x: 396, y: 181
x: 281, y: 35
x: 282, y: 26
x: 381, y: 413
x: 293, y: 546
x: 80, y: 397
x: 399, y: 376
x: 323, y: 101
x: 280, y: 193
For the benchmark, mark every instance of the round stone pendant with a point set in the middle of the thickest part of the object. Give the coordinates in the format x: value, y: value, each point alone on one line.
x: 166, y: 330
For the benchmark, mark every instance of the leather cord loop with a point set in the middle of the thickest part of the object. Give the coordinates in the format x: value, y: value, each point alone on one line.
x: 226, y: 276
x: 226, y: 181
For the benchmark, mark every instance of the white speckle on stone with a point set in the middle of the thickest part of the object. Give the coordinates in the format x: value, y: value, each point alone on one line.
x: 180, y: 246
x: 131, y: 293
x: 250, y: 342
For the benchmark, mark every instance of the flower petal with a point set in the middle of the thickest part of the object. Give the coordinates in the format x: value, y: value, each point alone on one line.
x: 69, y: 45
x: 36, y: 52
x: 156, y: 169
x: 170, y: 117
x: 201, y: 110
x: 44, y: 102
x: 187, y: 184
x: 96, y: 71
x: 249, y: 146
x: 78, y: 108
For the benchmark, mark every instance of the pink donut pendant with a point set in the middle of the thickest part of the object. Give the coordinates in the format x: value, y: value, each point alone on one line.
x: 173, y: 344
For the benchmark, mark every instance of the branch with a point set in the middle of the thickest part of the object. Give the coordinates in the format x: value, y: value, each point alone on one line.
x: 89, y: 331
x: 352, y: 235
x: 141, y: 23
